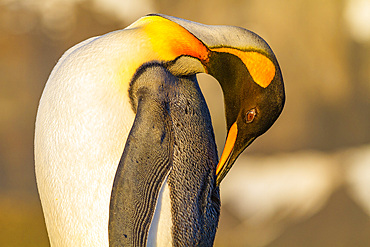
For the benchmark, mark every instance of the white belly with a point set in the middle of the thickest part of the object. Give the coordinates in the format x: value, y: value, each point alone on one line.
x: 160, y: 231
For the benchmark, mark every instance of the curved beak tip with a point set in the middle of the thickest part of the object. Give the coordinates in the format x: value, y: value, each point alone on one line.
x: 225, y: 162
x: 229, y: 154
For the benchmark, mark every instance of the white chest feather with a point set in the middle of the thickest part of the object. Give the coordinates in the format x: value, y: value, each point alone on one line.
x: 82, y: 125
x: 160, y: 231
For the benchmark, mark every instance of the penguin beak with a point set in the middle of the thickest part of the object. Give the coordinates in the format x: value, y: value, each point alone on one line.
x: 230, y: 153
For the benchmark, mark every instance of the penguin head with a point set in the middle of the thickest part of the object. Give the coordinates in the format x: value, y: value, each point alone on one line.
x: 254, y: 98
x: 240, y: 60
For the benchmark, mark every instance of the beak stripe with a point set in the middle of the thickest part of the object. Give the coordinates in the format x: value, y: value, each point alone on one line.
x: 259, y: 66
x: 229, y: 145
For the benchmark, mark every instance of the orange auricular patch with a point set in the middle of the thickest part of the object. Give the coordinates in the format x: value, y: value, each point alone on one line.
x: 259, y: 66
x: 170, y: 40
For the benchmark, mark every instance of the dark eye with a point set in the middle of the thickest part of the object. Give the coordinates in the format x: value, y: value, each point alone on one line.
x: 250, y: 115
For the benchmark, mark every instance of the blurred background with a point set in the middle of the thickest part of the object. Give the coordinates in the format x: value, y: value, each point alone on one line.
x: 306, y: 182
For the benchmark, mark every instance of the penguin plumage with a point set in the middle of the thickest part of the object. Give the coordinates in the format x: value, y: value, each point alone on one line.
x: 124, y: 144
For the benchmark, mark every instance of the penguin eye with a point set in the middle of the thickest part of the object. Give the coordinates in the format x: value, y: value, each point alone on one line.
x: 250, y: 115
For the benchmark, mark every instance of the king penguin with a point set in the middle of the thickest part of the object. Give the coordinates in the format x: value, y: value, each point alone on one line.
x: 124, y: 145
